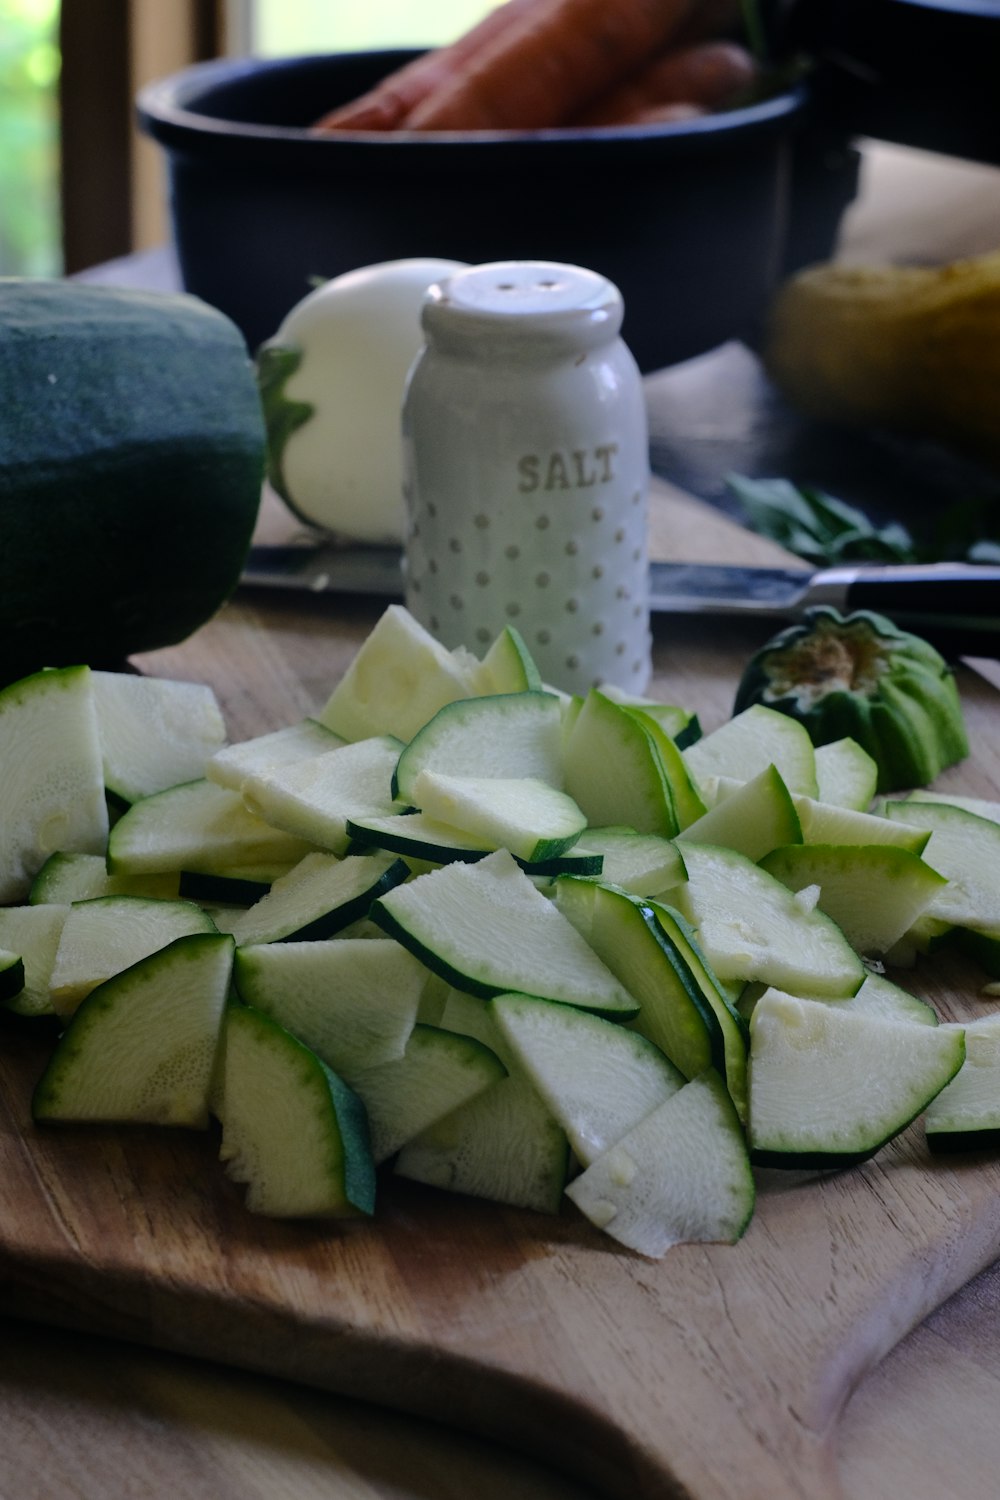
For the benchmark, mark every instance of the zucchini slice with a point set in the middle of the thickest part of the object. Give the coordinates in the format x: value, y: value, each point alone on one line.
x: 231, y: 765
x: 598, y: 1079
x: 614, y: 770
x: 674, y: 1013
x: 507, y: 735
x: 750, y: 926
x: 459, y: 921
x: 292, y: 1131
x: 874, y: 892
x: 142, y: 1046
x: 102, y: 937
x: 532, y: 819
x: 439, y: 1071
x: 680, y: 1176
x: 196, y: 826
x: 314, y: 799
x: 398, y: 679
x: 965, y: 1116
x: 748, y: 743
x: 351, y: 1001
x: 503, y: 1144
x: 754, y: 819
x: 53, y: 777
x: 67, y: 877
x: 155, y: 733
x: 33, y: 933
x: 829, y: 1086
x: 419, y: 838
x: 321, y: 896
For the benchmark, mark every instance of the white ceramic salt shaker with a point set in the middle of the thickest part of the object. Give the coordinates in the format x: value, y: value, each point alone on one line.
x: 526, y: 465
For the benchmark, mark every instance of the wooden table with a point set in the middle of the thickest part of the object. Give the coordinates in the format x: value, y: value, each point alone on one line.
x: 83, y: 1417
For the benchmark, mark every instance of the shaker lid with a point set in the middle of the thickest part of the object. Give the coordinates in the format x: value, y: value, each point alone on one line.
x: 534, y: 300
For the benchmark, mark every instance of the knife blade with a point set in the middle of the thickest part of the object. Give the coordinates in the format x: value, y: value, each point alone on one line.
x: 960, y: 600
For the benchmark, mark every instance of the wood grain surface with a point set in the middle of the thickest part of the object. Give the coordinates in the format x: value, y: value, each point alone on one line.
x: 84, y: 1417
x: 719, y: 1372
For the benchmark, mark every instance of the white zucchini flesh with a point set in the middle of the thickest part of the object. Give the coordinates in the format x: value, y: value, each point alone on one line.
x: 874, y: 892
x: 878, y: 996
x: 503, y: 1144
x: 351, y: 1001
x: 680, y: 1176
x: 673, y: 1012
x: 509, y: 735
x: 53, y: 775
x: 397, y: 681
x: 830, y: 1086
x: 33, y: 932
x: 459, y: 920
x: 321, y: 896
x: 964, y: 848
x: 102, y: 937
x: 598, y: 1079
x: 417, y: 835
x: 966, y: 1113
x: 231, y: 765
x: 154, y: 732
x: 292, y: 1132
x: 823, y: 824
x: 759, y: 816
x: 531, y: 818
x: 614, y: 771
x: 645, y: 864
x: 507, y: 667
x: 983, y: 807
x: 420, y: 839
x: 846, y: 775
x: 688, y: 803
x: 196, y: 826
x: 439, y: 1071
x: 314, y: 799
x: 750, y: 926
x: 65, y: 878
x: 670, y: 716
x: 674, y: 930
x: 754, y: 739
x: 142, y: 1046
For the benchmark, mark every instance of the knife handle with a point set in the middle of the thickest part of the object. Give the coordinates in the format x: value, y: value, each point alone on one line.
x: 955, y: 592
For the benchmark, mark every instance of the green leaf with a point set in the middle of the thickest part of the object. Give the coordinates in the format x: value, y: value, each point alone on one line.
x: 817, y: 526
x: 276, y: 364
x: 827, y: 531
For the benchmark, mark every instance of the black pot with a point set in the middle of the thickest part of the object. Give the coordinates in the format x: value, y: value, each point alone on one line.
x: 695, y: 222
x: 922, y: 73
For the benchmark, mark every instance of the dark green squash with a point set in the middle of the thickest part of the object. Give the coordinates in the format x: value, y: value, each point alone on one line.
x: 131, y: 461
x: 859, y: 675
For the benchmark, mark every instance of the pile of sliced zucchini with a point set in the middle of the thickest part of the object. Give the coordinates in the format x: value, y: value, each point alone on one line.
x: 518, y: 945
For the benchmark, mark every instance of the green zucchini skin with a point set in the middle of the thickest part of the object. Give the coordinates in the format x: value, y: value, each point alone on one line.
x: 131, y: 461
x: 901, y: 704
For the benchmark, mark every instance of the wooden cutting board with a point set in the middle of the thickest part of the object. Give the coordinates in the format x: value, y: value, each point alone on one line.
x: 718, y: 1372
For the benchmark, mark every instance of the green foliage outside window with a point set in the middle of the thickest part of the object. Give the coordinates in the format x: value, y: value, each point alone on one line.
x: 29, y: 138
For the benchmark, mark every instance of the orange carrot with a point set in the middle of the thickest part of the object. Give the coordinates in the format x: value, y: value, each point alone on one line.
x: 709, y: 74
x: 386, y: 106
x: 553, y: 62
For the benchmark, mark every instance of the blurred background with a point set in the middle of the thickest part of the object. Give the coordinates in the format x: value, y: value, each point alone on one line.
x: 79, y: 186
x: 68, y: 77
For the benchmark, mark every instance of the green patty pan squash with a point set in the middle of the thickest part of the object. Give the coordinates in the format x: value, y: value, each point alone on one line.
x: 131, y: 461
x: 860, y: 676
